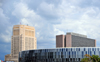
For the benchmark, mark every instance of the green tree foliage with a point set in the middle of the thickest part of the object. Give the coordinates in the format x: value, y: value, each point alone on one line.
x: 85, y: 60
x: 93, y: 58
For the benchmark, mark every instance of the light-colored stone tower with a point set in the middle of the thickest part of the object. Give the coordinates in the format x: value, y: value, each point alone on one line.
x: 23, y: 38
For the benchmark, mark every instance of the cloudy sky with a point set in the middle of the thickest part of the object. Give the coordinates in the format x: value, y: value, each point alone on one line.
x: 50, y: 18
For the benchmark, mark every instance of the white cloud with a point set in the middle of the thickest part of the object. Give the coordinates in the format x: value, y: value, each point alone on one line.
x: 0, y: 4
x: 67, y: 17
x: 51, y: 18
x: 21, y: 10
x: 41, y: 25
x: 4, y: 21
x: 47, y: 9
x: 6, y: 35
x: 58, y: 32
x: 3, y: 18
x: 87, y: 23
x: 6, y: 38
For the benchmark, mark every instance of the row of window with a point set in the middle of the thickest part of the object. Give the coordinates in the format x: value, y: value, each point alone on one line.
x: 57, y: 55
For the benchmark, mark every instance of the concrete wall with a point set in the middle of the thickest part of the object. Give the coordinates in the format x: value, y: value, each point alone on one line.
x: 82, y: 42
x: 68, y: 41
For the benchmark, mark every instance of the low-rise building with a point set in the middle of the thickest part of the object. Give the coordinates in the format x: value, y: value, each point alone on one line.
x: 70, y: 54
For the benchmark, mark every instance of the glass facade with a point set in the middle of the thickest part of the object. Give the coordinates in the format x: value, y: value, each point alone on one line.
x: 57, y: 54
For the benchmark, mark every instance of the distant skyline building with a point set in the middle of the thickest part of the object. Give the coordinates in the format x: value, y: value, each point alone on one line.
x: 74, y: 40
x: 23, y: 38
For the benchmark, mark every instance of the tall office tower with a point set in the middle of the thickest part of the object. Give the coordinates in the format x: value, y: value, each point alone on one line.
x: 74, y: 40
x: 23, y: 38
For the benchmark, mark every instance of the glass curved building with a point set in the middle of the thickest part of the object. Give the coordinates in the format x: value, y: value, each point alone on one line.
x: 73, y: 54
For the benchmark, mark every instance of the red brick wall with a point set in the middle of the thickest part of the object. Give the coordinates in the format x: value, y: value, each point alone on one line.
x: 59, y: 41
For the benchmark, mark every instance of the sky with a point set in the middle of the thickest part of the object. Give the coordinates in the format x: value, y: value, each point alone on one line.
x: 49, y: 18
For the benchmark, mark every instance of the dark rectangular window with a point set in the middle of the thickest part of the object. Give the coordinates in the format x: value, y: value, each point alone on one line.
x: 65, y: 41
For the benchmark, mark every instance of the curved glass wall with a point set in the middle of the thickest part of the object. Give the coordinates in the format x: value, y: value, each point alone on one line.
x: 58, y: 54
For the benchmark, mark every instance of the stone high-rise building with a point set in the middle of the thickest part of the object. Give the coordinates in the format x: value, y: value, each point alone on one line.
x: 23, y: 38
x: 74, y: 40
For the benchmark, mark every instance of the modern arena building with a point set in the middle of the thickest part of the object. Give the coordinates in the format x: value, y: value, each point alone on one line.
x: 64, y: 52
x: 74, y: 54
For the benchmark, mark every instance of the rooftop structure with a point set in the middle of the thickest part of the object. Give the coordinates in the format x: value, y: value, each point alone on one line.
x: 76, y: 34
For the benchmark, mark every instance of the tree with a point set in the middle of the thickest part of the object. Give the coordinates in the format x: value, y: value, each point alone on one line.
x: 85, y: 60
x: 93, y: 58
